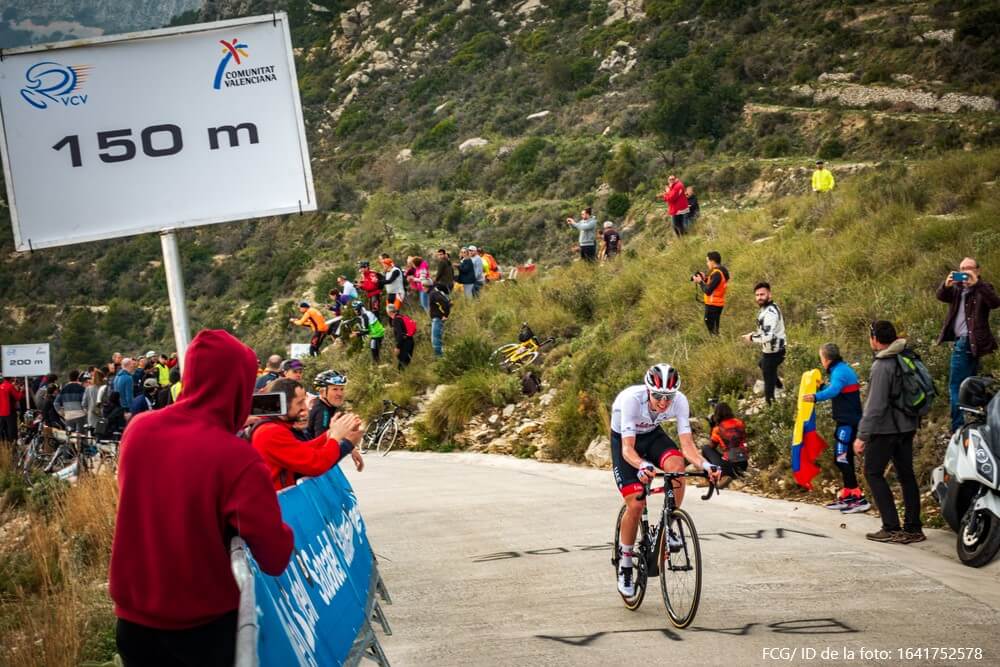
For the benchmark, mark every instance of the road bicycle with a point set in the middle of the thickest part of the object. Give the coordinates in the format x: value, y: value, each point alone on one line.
x: 678, y: 565
x: 382, y: 433
x: 513, y: 356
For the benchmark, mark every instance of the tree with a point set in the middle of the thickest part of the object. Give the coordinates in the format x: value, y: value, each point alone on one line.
x: 622, y: 171
x: 80, y: 339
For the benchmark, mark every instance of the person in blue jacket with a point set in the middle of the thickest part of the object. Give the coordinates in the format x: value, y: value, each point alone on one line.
x: 844, y: 394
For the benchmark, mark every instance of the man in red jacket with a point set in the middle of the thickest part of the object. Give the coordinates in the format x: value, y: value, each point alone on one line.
x: 186, y: 486
x: 9, y: 397
x: 290, y: 453
x: 677, y: 204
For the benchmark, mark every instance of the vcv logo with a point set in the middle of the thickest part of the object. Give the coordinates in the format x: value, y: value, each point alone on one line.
x: 52, y: 83
x: 235, y: 52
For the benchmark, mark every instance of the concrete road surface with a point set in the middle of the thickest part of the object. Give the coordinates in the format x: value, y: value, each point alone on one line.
x: 499, y: 561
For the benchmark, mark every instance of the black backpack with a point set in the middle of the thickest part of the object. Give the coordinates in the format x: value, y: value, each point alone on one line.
x: 915, y: 390
x: 531, y: 384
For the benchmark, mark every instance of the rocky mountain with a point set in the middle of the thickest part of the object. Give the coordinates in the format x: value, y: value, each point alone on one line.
x: 32, y: 21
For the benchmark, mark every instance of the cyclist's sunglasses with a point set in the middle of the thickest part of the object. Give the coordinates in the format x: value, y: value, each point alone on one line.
x: 659, y: 396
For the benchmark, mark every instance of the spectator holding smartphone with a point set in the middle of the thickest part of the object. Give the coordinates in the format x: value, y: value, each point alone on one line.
x: 970, y: 300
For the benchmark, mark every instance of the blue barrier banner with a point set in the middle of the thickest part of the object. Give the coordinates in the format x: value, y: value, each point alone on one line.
x: 319, y: 607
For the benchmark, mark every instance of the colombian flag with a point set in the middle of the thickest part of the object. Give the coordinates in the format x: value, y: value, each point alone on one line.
x: 807, y: 444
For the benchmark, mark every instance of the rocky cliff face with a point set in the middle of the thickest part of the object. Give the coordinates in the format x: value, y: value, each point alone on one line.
x: 111, y: 16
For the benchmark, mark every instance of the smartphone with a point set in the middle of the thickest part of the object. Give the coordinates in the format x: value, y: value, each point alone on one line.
x: 269, y: 405
x: 959, y: 276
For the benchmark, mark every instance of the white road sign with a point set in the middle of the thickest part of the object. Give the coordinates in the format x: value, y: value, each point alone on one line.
x: 135, y: 133
x: 31, y: 359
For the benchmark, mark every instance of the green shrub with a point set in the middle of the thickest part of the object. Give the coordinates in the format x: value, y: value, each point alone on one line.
x: 618, y: 205
x: 831, y: 149
x: 569, y: 73
x: 354, y: 117
x: 623, y: 171
x: 438, y: 137
x: 522, y: 159
x: 776, y: 146
x: 473, y: 392
x: 464, y: 354
x: 479, y: 50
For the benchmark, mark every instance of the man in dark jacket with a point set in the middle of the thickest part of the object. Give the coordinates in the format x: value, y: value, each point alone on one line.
x: 440, y: 310
x: 886, y: 434
x: 970, y: 301
x: 404, y: 341
x: 171, y: 579
x: 445, y: 276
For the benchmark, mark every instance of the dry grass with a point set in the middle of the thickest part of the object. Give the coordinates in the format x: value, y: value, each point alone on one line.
x: 55, y: 611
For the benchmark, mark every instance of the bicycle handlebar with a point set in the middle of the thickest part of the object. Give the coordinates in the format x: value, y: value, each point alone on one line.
x: 647, y: 490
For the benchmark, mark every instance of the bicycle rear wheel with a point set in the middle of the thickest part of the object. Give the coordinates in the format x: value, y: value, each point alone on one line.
x: 500, y: 355
x: 638, y: 560
x: 371, y: 434
x: 680, y: 570
x: 387, y: 438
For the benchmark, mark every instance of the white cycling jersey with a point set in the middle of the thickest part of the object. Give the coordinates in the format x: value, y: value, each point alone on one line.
x: 630, y: 413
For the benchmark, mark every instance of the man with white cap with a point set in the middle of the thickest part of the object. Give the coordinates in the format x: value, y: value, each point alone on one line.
x: 477, y: 265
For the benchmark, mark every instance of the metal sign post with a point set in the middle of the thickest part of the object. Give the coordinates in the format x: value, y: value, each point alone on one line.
x: 175, y: 290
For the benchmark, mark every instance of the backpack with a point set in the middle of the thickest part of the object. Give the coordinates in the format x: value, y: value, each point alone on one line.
x: 409, y: 326
x: 733, y: 434
x: 915, y: 387
x: 530, y: 384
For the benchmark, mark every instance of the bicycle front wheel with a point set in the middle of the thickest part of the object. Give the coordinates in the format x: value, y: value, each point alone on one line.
x: 501, y: 355
x: 387, y: 438
x: 680, y: 569
x: 639, y: 560
x: 370, y: 436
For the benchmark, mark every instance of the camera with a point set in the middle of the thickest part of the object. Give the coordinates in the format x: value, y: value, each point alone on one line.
x: 695, y: 274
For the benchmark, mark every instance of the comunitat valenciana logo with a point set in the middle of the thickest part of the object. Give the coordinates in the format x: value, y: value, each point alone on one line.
x: 51, y: 83
x: 232, y: 74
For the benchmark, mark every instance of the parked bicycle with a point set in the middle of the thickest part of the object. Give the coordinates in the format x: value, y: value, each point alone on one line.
x: 513, y: 356
x: 669, y: 550
x: 382, y: 432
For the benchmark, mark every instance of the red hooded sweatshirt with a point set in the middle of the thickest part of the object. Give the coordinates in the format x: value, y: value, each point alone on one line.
x: 186, y: 485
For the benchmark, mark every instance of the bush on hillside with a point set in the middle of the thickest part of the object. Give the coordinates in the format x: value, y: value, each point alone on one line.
x: 618, y: 204
x: 831, y: 149
x: 691, y: 101
x: 438, y: 137
x: 622, y: 171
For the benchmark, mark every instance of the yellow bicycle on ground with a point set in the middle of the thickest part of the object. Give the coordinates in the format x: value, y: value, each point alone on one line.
x: 513, y: 356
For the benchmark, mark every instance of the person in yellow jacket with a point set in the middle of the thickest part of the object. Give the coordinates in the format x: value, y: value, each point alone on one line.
x: 313, y: 319
x: 163, y: 370
x: 713, y: 284
x: 822, y: 180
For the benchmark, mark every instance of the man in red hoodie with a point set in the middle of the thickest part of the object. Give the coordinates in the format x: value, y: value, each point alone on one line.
x: 187, y: 485
x: 677, y: 203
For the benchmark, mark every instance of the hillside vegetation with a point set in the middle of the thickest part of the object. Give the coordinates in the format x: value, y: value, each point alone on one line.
x: 737, y: 98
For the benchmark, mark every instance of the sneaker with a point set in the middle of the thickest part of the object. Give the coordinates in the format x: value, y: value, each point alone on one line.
x: 674, y: 543
x: 625, y: 585
x: 856, y: 505
x: 883, y: 535
x: 838, y: 504
x: 904, y: 537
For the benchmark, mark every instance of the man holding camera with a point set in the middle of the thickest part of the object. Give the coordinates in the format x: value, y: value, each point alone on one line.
x: 970, y: 301
x: 714, y: 286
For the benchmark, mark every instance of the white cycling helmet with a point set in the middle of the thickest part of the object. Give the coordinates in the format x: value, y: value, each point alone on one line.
x: 663, y: 379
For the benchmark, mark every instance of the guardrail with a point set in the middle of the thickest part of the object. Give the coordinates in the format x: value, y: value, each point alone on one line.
x: 320, y: 610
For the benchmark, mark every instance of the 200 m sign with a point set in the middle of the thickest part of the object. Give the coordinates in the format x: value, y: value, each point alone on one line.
x: 155, y: 141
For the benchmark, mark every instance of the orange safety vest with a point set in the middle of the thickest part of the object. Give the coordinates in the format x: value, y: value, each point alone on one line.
x: 718, y: 295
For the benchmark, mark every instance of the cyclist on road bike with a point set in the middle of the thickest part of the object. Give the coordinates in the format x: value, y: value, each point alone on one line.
x: 639, y: 445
